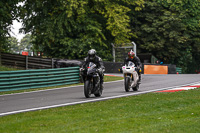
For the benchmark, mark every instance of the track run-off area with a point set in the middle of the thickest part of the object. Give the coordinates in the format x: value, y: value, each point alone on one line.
x: 44, y: 99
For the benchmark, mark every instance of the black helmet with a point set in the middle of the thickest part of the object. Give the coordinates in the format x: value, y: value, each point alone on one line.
x: 92, y: 54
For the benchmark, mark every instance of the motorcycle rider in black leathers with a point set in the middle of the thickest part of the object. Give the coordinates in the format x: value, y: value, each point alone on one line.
x: 136, y: 61
x: 92, y: 57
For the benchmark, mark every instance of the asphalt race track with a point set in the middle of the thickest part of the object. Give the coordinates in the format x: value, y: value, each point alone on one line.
x: 23, y: 102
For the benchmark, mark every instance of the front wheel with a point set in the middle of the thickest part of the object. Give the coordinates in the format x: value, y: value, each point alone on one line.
x: 87, y: 88
x: 127, y: 84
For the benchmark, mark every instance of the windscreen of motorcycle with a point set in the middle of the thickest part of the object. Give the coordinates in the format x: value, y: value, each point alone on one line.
x: 92, y: 65
x: 91, y: 68
x: 130, y: 63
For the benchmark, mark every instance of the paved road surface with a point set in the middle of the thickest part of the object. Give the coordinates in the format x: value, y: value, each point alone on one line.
x: 16, y: 103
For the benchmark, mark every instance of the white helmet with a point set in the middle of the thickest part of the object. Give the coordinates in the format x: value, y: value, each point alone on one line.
x: 92, y: 54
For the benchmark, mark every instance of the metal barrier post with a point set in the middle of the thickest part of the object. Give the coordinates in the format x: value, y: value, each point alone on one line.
x: 26, y: 62
x: 52, y: 63
x: 123, y: 47
x: 134, y: 45
x: 113, y: 49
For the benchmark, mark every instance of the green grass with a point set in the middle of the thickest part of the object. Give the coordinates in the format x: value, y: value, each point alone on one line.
x: 6, y: 68
x: 106, y: 79
x: 177, y: 112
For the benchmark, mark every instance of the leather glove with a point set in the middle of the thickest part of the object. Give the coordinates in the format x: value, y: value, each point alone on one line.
x: 139, y: 69
x: 99, y: 70
x: 82, y: 69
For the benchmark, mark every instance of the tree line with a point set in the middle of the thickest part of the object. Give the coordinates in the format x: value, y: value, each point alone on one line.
x: 25, y: 44
x: 169, y: 29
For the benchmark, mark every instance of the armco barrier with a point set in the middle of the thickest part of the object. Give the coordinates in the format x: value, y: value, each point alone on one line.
x: 38, y: 78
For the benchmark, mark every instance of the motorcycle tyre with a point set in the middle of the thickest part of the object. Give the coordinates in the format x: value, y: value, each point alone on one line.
x: 136, y: 87
x: 99, y: 93
x: 87, y: 89
x: 127, y: 84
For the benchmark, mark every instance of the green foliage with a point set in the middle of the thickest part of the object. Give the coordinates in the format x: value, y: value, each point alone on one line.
x: 12, y: 45
x: 170, y: 30
x: 8, y: 13
x: 68, y: 29
x: 26, y: 43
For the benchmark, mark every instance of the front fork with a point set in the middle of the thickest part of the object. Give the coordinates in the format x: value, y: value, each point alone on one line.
x: 96, y: 82
x: 131, y: 75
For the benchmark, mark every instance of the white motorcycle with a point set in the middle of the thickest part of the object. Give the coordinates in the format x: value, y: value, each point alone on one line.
x: 131, y: 77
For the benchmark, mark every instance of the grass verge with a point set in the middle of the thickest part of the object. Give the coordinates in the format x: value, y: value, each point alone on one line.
x: 176, y: 112
x: 106, y: 79
x: 6, y: 68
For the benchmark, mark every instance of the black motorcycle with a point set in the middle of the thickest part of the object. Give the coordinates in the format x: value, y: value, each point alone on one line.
x: 92, y: 81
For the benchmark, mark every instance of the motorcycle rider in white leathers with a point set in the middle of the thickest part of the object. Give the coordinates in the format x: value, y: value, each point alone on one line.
x: 136, y: 61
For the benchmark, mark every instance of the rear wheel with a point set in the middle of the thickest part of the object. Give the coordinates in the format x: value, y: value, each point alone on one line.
x: 87, y: 88
x: 127, y: 84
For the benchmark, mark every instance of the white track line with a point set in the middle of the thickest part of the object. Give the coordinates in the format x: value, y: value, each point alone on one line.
x: 86, y: 101
x: 73, y: 103
x: 188, y: 87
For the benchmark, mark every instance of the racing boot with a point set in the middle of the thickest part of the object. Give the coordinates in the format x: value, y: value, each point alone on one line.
x: 101, y: 82
x: 101, y: 86
x: 139, y: 81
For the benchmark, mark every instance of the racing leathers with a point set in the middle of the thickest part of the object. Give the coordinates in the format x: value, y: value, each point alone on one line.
x: 98, y: 61
x: 137, y: 63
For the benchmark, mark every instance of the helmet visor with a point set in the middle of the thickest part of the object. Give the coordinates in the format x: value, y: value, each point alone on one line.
x: 91, y: 57
x: 131, y: 56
